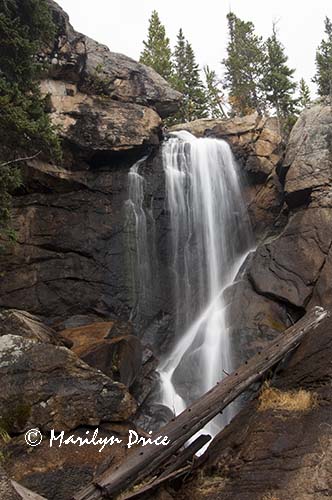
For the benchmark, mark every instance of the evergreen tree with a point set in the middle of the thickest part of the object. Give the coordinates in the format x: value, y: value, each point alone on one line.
x: 195, y: 91
x: 277, y: 82
x: 180, y: 63
x: 214, y: 95
x: 157, y: 52
x: 244, y: 66
x: 304, y: 99
x: 323, y: 77
x: 187, y: 80
x: 25, y: 25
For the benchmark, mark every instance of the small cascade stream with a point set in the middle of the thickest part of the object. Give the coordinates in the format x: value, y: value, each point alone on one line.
x: 209, y: 239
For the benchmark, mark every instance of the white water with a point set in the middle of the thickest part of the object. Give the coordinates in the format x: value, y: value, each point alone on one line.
x: 138, y: 241
x: 211, y: 237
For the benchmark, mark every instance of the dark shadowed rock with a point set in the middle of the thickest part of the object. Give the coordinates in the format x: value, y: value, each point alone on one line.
x: 118, y: 357
x: 288, y: 267
x: 49, y: 387
x: 57, y: 472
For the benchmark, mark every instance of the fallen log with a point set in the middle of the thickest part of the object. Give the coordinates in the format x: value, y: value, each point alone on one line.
x: 142, y: 462
x: 186, y: 454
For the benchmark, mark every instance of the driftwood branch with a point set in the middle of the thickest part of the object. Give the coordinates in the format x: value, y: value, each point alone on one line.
x: 17, y: 160
x: 143, y: 461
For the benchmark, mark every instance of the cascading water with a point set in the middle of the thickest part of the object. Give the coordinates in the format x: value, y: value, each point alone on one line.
x: 210, y: 238
x: 138, y: 245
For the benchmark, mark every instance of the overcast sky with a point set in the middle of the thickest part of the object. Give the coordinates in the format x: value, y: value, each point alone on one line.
x: 122, y: 25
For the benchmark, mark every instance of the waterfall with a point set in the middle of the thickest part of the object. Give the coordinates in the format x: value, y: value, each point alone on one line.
x: 210, y: 238
x: 138, y: 245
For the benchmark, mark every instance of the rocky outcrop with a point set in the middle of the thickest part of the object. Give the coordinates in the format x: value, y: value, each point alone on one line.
x: 102, y: 101
x: 49, y: 387
x: 308, y: 160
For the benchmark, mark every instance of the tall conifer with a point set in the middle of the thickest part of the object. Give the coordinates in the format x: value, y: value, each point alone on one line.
x: 305, y: 98
x: 244, y: 66
x: 277, y: 82
x: 157, y: 51
x: 323, y: 77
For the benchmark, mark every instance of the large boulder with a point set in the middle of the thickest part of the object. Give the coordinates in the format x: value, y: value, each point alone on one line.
x: 288, y: 267
x: 49, y: 387
x: 95, y: 124
x: 119, y: 357
x: 28, y: 326
x: 101, y: 101
x: 76, y: 58
x: 308, y: 160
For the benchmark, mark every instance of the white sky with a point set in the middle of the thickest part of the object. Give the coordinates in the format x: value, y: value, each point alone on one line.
x: 122, y: 25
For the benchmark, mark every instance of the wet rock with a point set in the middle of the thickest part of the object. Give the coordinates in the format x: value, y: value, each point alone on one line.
x: 49, y: 387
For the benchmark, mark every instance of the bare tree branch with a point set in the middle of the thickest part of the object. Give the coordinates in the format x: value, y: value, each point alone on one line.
x: 26, y: 158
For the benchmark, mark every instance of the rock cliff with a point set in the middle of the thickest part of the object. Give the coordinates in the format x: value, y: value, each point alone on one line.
x: 75, y: 353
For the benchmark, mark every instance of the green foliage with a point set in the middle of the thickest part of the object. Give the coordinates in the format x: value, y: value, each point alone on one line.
x: 214, y: 94
x: 277, y: 81
x: 323, y: 77
x: 304, y: 100
x: 157, y: 51
x: 244, y: 67
x: 187, y: 80
x: 25, y: 128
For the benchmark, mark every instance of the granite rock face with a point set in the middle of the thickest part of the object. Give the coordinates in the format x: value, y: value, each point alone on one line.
x: 49, y: 387
x: 102, y: 101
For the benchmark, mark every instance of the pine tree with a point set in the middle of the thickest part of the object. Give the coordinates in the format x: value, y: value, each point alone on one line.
x: 195, y: 91
x: 323, y: 77
x: 304, y: 98
x: 157, y: 51
x: 214, y: 95
x: 187, y: 80
x: 25, y: 128
x: 180, y: 63
x: 277, y: 82
x: 244, y: 66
